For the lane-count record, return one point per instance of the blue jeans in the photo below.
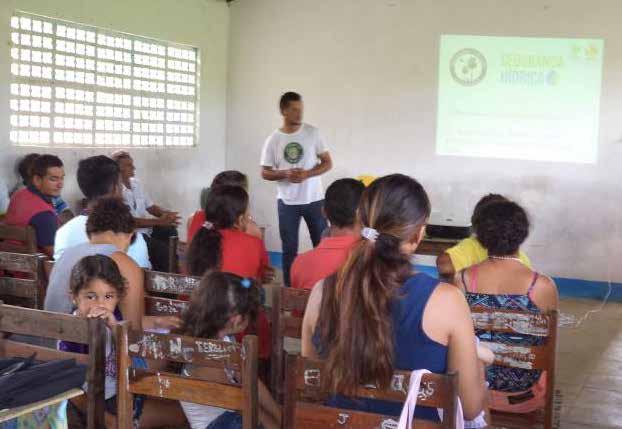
(289, 224)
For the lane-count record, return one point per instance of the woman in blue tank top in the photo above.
(376, 315)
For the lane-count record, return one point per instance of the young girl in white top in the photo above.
(221, 307)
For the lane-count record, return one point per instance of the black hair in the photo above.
(502, 228)
(287, 98)
(224, 205)
(96, 267)
(41, 163)
(24, 167)
(97, 176)
(218, 297)
(230, 177)
(483, 202)
(227, 177)
(342, 200)
(110, 214)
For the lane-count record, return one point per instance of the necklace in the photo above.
(506, 258)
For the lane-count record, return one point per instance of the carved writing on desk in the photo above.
(170, 283)
(18, 262)
(522, 323)
(511, 355)
(312, 378)
(170, 307)
(185, 349)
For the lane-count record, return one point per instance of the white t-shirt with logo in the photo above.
(301, 149)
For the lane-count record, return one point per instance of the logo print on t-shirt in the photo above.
(293, 152)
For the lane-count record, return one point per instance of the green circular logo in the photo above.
(293, 152)
(468, 67)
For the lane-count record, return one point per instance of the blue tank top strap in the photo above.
(533, 283)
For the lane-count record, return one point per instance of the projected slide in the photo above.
(519, 98)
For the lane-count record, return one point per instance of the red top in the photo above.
(321, 262)
(24, 205)
(243, 254)
(198, 218)
(246, 256)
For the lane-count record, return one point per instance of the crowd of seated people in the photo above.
(360, 276)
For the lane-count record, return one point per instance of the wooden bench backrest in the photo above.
(305, 397)
(65, 327)
(540, 357)
(17, 239)
(288, 306)
(171, 285)
(216, 390)
(22, 279)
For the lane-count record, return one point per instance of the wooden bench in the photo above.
(45, 324)
(305, 397)
(17, 239)
(527, 357)
(215, 390)
(22, 279)
(288, 306)
(162, 291)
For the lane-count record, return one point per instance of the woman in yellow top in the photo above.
(470, 251)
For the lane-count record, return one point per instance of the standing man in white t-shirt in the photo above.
(295, 156)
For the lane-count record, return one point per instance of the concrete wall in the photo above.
(368, 71)
(174, 177)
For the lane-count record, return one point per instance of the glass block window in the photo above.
(78, 85)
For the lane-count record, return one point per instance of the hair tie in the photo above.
(246, 283)
(208, 225)
(370, 234)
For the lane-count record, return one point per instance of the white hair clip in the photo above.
(208, 225)
(370, 234)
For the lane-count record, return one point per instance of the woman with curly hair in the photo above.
(110, 229)
(503, 281)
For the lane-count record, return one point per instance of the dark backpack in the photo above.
(26, 380)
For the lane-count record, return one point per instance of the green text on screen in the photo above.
(519, 98)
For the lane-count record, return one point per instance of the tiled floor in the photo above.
(589, 366)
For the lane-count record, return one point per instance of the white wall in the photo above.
(368, 72)
(174, 177)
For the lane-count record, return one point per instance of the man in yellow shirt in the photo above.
(470, 251)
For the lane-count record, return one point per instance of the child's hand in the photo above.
(104, 314)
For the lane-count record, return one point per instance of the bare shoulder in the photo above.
(545, 294)
(315, 298)
(446, 299)
(124, 261)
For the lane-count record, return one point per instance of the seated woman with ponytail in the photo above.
(222, 245)
(377, 315)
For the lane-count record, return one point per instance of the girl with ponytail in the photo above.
(377, 315)
(221, 243)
